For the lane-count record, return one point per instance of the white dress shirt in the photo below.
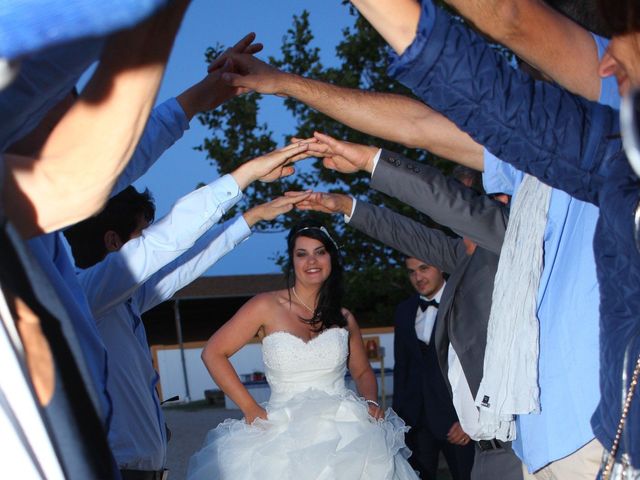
(463, 401)
(427, 319)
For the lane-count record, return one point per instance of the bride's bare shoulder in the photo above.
(269, 300)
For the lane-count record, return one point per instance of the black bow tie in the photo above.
(424, 304)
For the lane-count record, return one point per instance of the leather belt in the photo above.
(492, 444)
(143, 474)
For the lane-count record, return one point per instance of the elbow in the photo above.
(507, 23)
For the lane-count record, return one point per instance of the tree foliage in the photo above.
(375, 283)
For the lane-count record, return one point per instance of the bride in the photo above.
(312, 427)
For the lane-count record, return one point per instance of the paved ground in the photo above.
(189, 426)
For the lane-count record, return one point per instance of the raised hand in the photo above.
(244, 46)
(212, 91)
(345, 157)
(270, 210)
(250, 73)
(272, 166)
(326, 202)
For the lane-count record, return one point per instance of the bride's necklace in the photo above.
(293, 289)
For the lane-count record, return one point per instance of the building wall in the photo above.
(248, 359)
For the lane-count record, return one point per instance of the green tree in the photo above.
(374, 283)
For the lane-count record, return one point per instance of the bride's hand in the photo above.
(376, 412)
(256, 412)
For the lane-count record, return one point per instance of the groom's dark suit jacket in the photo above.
(420, 395)
(466, 301)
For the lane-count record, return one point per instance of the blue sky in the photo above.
(225, 21)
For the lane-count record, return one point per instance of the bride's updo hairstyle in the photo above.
(328, 312)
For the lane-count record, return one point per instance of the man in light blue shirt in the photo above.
(146, 266)
(568, 310)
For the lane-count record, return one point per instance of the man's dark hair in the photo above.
(621, 16)
(122, 214)
(585, 13)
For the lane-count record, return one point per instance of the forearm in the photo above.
(227, 380)
(408, 236)
(445, 200)
(392, 117)
(367, 385)
(80, 163)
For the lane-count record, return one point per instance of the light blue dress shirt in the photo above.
(568, 311)
(165, 126)
(145, 272)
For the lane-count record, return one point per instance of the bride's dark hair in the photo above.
(328, 312)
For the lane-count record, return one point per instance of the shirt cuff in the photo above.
(239, 230)
(347, 218)
(376, 159)
(225, 192)
(173, 108)
(411, 57)
(498, 176)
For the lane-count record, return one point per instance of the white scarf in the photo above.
(510, 383)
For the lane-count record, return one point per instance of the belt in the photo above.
(492, 444)
(144, 474)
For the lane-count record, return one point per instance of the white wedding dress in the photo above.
(316, 428)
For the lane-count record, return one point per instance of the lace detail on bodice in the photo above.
(294, 366)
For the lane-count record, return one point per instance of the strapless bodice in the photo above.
(293, 366)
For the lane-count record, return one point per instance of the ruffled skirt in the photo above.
(313, 436)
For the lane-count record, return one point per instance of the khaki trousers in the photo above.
(583, 464)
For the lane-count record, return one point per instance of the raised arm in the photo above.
(207, 250)
(169, 120)
(389, 116)
(76, 169)
(395, 230)
(117, 276)
(425, 188)
(535, 126)
(541, 36)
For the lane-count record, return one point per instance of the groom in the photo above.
(420, 394)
